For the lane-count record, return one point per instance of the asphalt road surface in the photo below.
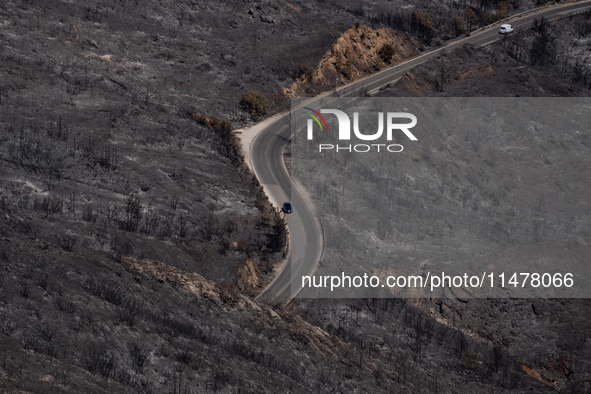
(306, 236)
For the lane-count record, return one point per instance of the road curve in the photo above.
(266, 159)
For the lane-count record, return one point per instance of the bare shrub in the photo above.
(42, 280)
(47, 331)
(229, 227)
(42, 340)
(98, 360)
(24, 289)
(230, 144)
(266, 298)
(88, 214)
(26, 227)
(139, 355)
(59, 130)
(209, 229)
(65, 305)
(8, 325)
(279, 237)
(107, 158)
(133, 213)
(48, 205)
(66, 241)
(107, 291)
(185, 356)
(182, 228)
(12, 365)
(462, 344)
(174, 201)
(224, 246)
(219, 379)
(544, 47)
(62, 376)
(583, 25)
(128, 311)
(120, 247)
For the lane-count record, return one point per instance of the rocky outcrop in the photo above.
(360, 51)
(554, 374)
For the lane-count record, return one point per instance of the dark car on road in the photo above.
(286, 207)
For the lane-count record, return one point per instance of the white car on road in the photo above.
(505, 29)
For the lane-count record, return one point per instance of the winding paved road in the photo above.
(265, 151)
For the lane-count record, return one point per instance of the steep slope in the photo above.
(360, 51)
(74, 323)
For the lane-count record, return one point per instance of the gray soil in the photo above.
(104, 171)
(546, 337)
